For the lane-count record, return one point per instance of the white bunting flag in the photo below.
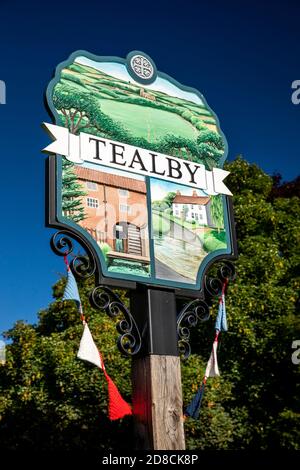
(88, 351)
(212, 369)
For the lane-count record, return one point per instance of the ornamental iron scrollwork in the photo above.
(61, 244)
(227, 271)
(101, 297)
(83, 266)
(129, 341)
(192, 313)
(198, 310)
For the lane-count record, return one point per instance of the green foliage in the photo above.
(210, 147)
(214, 241)
(262, 409)
(50, 400)
(215, 429)
(216, 210)
(160, 224)
(72, 193)
(169, 198)
(105, 248)
(164, 205)
(79, 110)
(262, 314)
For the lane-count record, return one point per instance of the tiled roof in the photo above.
(201, 200)
(109, 179)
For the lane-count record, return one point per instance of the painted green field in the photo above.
(159, 223)
(150, 123)
(136, 115)
(121, 101)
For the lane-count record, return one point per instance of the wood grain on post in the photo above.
(157, 403)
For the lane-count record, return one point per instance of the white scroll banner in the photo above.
(98, 150)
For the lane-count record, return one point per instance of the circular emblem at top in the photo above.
(141, 67)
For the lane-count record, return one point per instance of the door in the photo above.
(134, 240)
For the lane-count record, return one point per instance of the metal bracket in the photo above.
(198, 310)
(129, 341)
(101, 297)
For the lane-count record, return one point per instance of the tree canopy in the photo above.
(51, 400)
(79, 109)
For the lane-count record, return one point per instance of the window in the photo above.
(192, 206)
(91, 185)
(125, 208)
(201, 216)
(123, 192)
(92, 202)
(196, 216)
(193, 215)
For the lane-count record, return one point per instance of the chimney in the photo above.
(195, 193)
(178, 193)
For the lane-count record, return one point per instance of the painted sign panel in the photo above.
(139, 169)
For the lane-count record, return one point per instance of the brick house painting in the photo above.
(116, 214)
(192, 208)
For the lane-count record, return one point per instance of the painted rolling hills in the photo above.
(165, 123)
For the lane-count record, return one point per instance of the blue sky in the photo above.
(242, 56)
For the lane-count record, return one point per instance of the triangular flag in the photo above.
(117, 406)
(88, 351)
(193, 409)
(212, 369)
(71, 289)
(224, 316)
(221, 320)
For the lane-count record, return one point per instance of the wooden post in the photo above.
(156, 374)
(157, 403)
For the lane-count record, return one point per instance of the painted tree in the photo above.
(179, 146)
(79, 110)
(207, 149)
(72, 193)
(210, 147)
(169, 198)
(216, 211)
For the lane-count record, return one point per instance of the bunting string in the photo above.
(88, 351)
(212, 368)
